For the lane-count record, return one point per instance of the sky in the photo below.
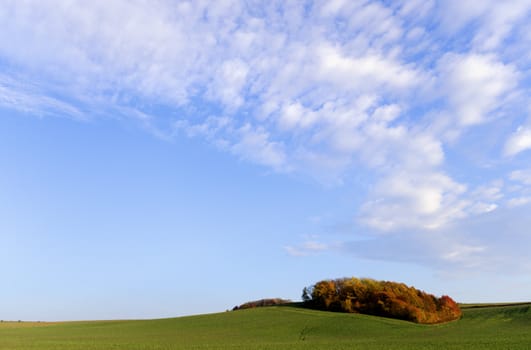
(164, 158)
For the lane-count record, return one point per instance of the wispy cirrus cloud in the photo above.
(26, 97)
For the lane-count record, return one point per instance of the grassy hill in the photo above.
(280, 327)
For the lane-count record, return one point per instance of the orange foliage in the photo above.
(381, 298)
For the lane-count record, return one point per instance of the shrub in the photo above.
(261, 303)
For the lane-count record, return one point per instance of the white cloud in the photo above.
(310, 247)
(296, 116)
(256, 145)
(414, 200)
(485, 198)
(418, 150)
(496, 19)
(429, 200)
(520, 191)
(518, 202)
(461, 254)
(247, 142)
(360, 72)
(368, 20)
(518, 142)
(490, 192)
(523, 176)
(482, 208)
(228, 83)
(475, 85)
(416, 8)
(364, 129)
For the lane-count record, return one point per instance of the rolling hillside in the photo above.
(281, 327)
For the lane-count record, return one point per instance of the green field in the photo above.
(281, 327)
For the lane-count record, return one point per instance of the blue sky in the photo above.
(164, 158)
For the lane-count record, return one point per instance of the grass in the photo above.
(282, 327)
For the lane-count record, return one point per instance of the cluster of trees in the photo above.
(262, 302)
(380, 298)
